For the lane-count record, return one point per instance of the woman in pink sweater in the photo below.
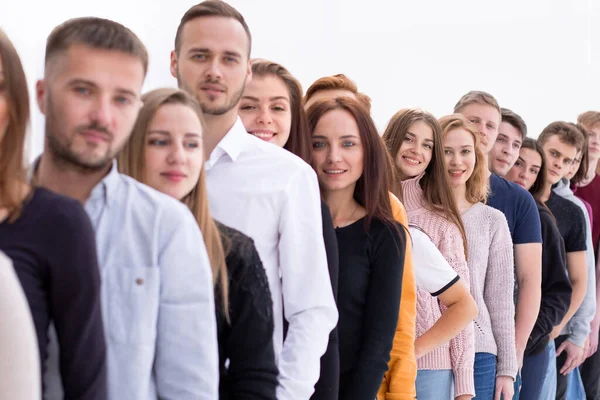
(413, 138)
(490, 260)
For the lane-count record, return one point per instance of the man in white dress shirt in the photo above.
(260, 189)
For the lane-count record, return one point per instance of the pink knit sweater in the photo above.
(492, 285)
(458, 354)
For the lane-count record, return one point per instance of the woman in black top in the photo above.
(52, 245)
(529, 172)
(271, 109)
(165, 152)
(354, 173)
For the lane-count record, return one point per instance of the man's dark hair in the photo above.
(97, 33)
(211, 8)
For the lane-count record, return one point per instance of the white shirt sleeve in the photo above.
(307, 295)
(19, 356)
(432, 271)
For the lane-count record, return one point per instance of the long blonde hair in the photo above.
(477, 185)
(131, 162)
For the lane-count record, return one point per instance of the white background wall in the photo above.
(540, 58)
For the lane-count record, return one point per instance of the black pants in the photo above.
(561, 380)
(590, 375)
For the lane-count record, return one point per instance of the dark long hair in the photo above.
(437, 192)
(537, 189)
(12, 167)
(299, 139)
(373, 188)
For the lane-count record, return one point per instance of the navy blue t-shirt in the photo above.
(519, 207)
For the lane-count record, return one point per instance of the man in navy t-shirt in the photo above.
(521, 213)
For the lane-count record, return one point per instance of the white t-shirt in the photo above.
(432, 271)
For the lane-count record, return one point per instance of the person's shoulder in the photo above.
(56, 208)
(387, 231)
(270, 151)
(509, 188)
(493, 215)
(148, 202)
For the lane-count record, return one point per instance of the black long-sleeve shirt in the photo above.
(247, 341)
(53, 249)
(327, 387)
(370, 284)
(556, 287)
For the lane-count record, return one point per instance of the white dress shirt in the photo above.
(273, 196)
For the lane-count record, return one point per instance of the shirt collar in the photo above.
(232, 144)
(107, 188)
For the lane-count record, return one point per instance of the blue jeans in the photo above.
(485, 376)
(534, 372)
(575, 389)
(549, 386)
(435, 384)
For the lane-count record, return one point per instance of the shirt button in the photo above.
(139, 281)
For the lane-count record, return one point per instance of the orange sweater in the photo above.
(399, 381)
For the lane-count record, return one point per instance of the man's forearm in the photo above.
(526, 312)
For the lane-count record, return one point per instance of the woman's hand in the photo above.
(505, 387)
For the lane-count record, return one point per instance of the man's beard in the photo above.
(61, 149)
(211, 110)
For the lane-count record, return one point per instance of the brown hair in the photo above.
(537, 189)
(581, 173)
(211, 8)
(338, 82)
(437, 193)
(589, 119)
(131, 162)
(514, 119)
(299, 139)
(477, 185)
(478, 97)
(374, 185)
(567, 133)
(97, 33)
(13, 174)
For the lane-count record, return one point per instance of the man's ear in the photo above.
(249, 76)
(40, 95)
(174, 64)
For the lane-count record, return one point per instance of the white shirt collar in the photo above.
(233, 144)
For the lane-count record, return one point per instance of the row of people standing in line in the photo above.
(151, 156)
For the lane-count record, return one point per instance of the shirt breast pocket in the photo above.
(132, 306)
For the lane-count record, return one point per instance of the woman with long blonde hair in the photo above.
(490, 260)
(165, 151)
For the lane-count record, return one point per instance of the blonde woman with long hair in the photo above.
(490, 260)
(165, 151)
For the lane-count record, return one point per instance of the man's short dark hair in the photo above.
(211, 8)
(97, 33)
(514, 119)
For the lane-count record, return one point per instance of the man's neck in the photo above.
(547, 192)
(64, 179)
(216, 127)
